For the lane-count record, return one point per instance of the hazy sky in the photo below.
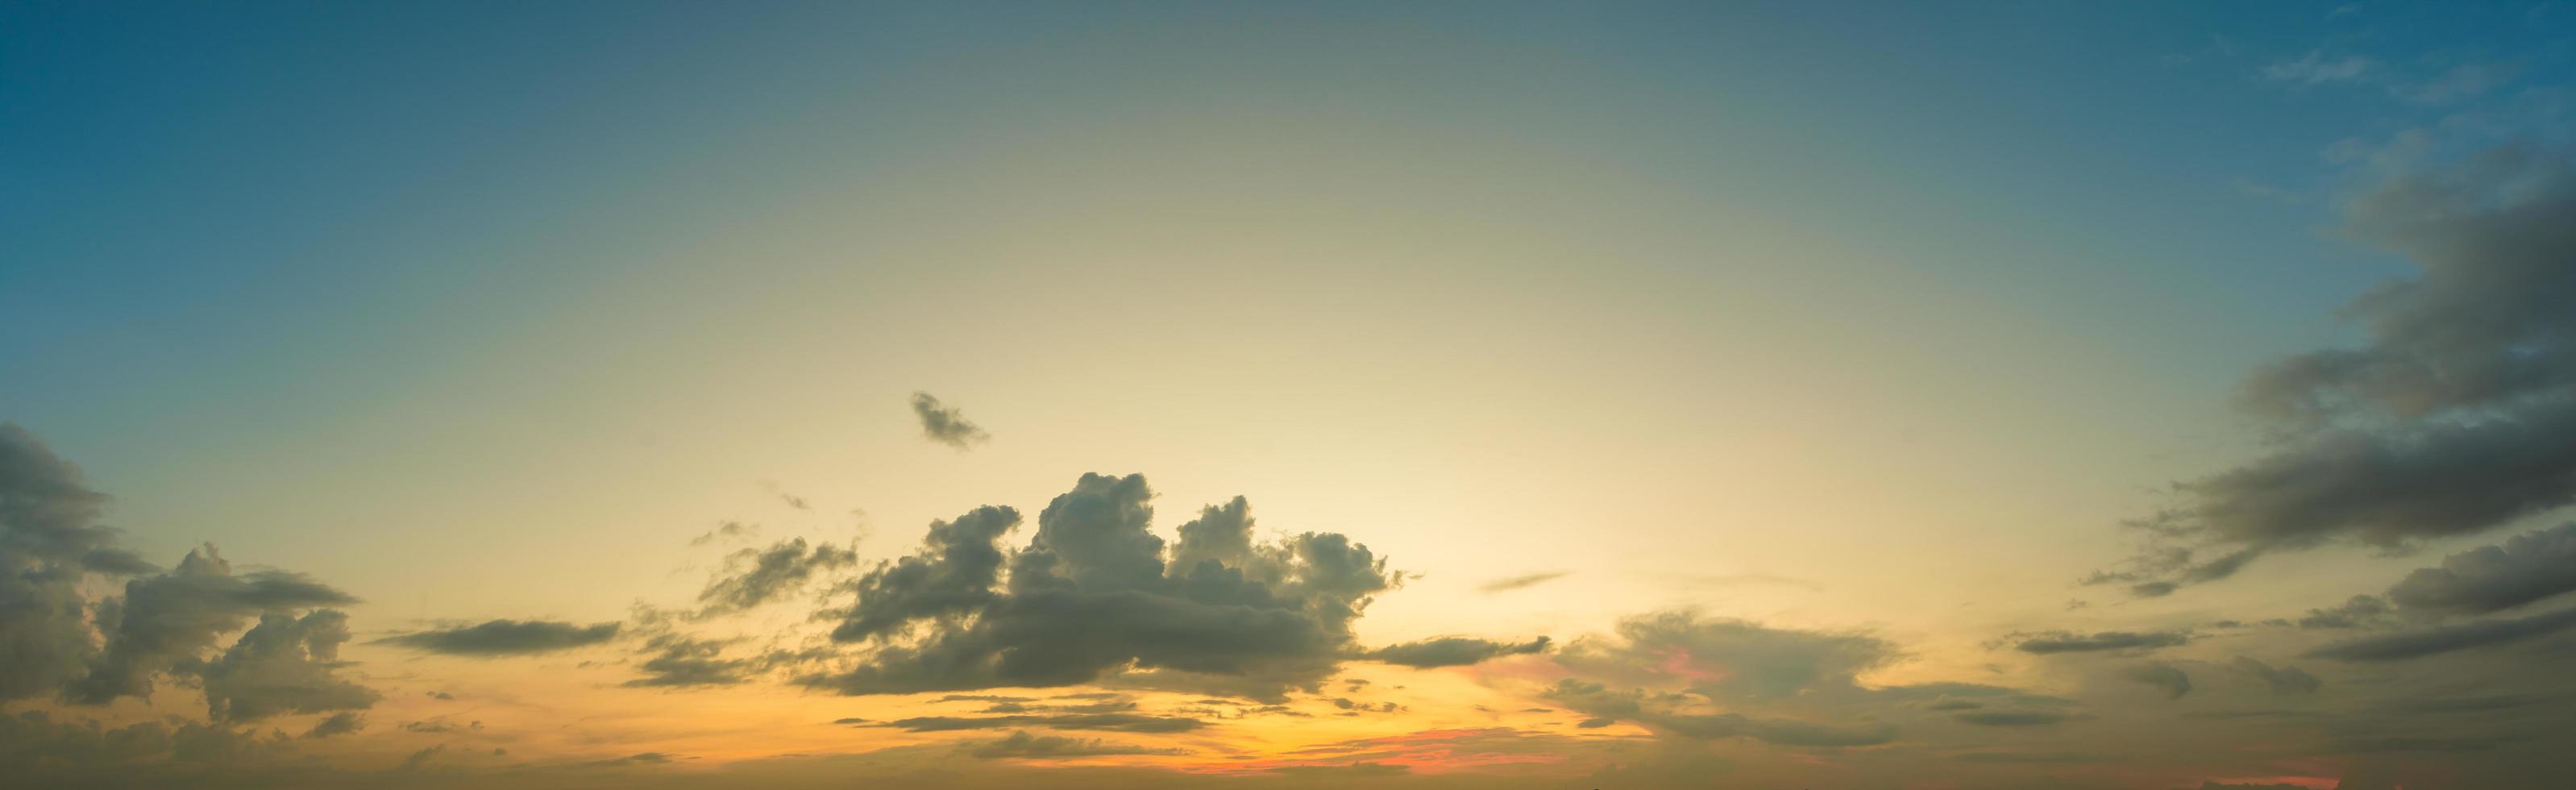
(1795, 395)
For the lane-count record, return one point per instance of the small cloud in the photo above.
(2315, 68)
(945, 424)
(1522, 581)
(506, 638)
(2067, 642)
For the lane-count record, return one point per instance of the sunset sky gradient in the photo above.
(1247, 395)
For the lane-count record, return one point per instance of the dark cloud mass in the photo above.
(2451, 419)
(2067, 642)
(945, 424)
(164, 620)
(2436, 640)
(506, 637)
(1452, 651)
(285, 664)
(1091, 599)
(2524, 569)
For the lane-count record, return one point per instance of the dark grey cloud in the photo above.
(2436, 640)
(342, 723)
(506, 638)
(2283, 679)
(1091, 599)
(679, 661)
(55, 641)
(2524, 569)
(164, 620)
(1023, 746)
(285, 664)
(1450, 651)
(945, 424)
(1118, 722)
(752, 577)
(1669, 714)
(2013, 718)
(2069, 642)
(2450, 419)
(1510, 583)
(2359, 611)
(1695, 678)
(2167, 678)
(1747, 661)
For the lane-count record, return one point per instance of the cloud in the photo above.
(1452, 651)
(1731, 659)
(729, 529)
(2067, 642)
(1091, 599)
(2463, 81)
(506, 638)
(2526, 568)
(2449, 638)
(945, 424)
(1120, 722)
(283, 665)
(2013, 718)
(2359, 611)
(165, 619)
(2283, 680)
(342, 723)
(2315, 68)
(2165, 677)
(1670, 714)
(49, 539)
(1696, 678)
(1021, 745)
(1510, 583)
(754, 576)
(2448, 420)
(680, 661)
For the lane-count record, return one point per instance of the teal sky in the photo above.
(1863, 321)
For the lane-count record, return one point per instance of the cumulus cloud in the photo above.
(285, 664)
(1452, 651)
(48, 540)
(2447, 421)
(680, 661)
(166, 619)
(1093, 599)
(2068, 642)
(945, 424)
(506, 638)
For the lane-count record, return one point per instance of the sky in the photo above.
(1277, 395)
